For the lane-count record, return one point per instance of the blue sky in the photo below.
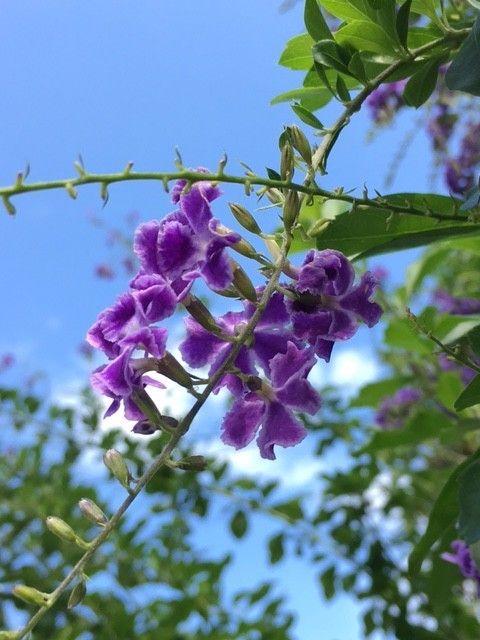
(121, 80)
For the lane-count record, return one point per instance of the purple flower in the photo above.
(394, 411)
(461, 556)
(385, 101)
(187, 244)
(456, 306)
(267, 409)
(329, 306)
(126, 323)
(121, 380)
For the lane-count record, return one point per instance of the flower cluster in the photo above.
(385, 101)
(395, 410)
(301, 321)
(460, 170)
(462, 557)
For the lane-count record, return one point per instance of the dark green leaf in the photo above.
(470, 396)
(464, 72)
(342, 90)
(371, 394)
(443, 515)
(331, 54)
(315, 22)
(422, 84)
(367, 232)
(327, 580)
(239, 524)
(469, 503)
(275, 548)
(402, 21)
(357, 68)
(272, 174)
(307, 116)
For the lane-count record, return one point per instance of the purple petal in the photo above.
(288, 374)
(275, 313)
(325, 273)
(200, 347)
(145, 245)
(176, 249)
(157, 302)
(241, 421)
(116, 378)
(358, 300)
(196, 208)
(267, 344)
(153, 340)
(279, 428)
(217, 271)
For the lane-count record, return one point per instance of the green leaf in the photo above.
(311, 97)
(298, 53)
(443, 515)
(349, 9)
(470, 396)
(275, 548)
(331, 55)
(315, 22)
(239, 524)
(426, 8)
(422, 84)
(419, 270)
(307, 116)
(371, 394)
(357, 68)
(365, 36)
(402, 21)
(342, 90)
(464, 72)
(469, 503)
(424, 426)
(327, 580)
(368, 231)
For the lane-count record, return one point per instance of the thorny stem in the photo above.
(248, 180)
(308, 188)
(459, 357)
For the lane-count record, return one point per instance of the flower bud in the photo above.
(274, 195)
(273, 247)
(192, 463)
(31, 595)
(245, 218)
(244, 248)
(301, 144)
(287, 163)
(291, 209)
(201, 314)
(243, 283)
(77, 594)
(171, 368)
(92, 512)
(61, 529)
(116, 464)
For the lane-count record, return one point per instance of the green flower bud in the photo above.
(291, 209)
(274, 195)
(273, 247)
(287, 163)
(301, 144)
(202, 315)
(64, 531)
(116, 464)
(31, 595)
(77, 594)
(243, 283)
(245, 218)
(92, 512)
(192, 463)
(171, 368)
(244, 248)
